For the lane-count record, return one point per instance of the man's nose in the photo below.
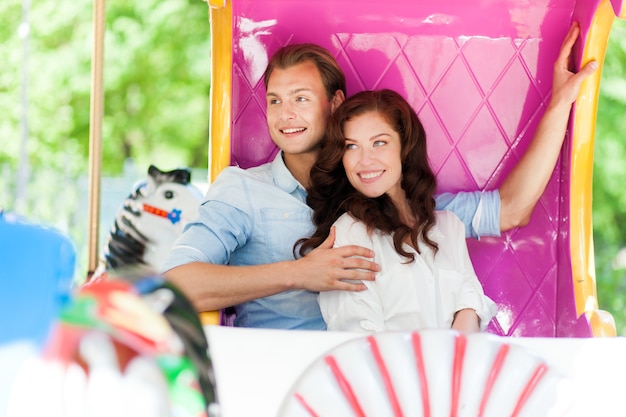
(287, 111)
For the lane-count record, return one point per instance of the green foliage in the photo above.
(156, 104)
(156, 83)
(609, 196)
(156, 77)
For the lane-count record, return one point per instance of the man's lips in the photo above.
(292, 130)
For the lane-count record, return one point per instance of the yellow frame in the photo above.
(220, 16)
(581, 227)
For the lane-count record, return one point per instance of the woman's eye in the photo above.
(350, 146)
(379, 143)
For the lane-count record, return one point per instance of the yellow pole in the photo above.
(221, 16)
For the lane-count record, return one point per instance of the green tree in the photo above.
(157, 80)
(156, 83)
(609, 196)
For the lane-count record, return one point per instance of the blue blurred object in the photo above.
(36, 271)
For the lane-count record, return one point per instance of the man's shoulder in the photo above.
(237, 174)
(233, 183)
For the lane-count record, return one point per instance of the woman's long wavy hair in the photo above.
(331, 194)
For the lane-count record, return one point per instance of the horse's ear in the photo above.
(178, 175)
(154, 172)
(181, 175)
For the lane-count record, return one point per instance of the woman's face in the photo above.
(372, 157)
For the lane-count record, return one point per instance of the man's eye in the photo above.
(274, 101)
(301, 99)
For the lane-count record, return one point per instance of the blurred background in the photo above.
(156, 111)
(156, 105)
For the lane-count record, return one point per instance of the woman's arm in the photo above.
(473, 310)
(466, 320)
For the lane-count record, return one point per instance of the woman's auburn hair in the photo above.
(330, 193)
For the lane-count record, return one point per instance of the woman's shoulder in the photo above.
(347, 222)
(447, 220)
(349, 230)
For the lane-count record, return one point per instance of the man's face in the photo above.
(298, 108)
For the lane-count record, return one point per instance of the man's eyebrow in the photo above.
(299, 90)
(290, 93)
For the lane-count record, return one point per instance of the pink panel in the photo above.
(479, 74)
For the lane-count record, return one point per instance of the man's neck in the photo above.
(300, 166)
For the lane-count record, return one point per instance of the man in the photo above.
(239, 252)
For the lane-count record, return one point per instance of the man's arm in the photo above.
(525, 184)
(213, 287)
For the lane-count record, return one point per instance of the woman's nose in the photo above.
(366, 155)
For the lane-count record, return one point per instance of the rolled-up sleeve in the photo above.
(472, 296)
(222, 226)
(471, 293)
(479, 211)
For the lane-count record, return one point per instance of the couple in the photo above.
(240, 251)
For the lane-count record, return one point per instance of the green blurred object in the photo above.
(609, 176)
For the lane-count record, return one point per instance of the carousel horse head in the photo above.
(151, 219)
(129, 345)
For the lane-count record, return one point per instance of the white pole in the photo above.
(24, 165)
(95, 133)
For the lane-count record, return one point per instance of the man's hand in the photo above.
(566, 84)
(326, 268)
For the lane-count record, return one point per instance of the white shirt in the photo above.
(422, 294)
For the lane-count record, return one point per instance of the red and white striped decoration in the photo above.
(434, 373)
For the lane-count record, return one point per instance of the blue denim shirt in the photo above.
(254, 216)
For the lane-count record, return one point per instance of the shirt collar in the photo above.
(283, 177)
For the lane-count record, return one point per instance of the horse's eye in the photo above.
(169, 194)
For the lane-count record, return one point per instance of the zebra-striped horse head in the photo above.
(151, 218)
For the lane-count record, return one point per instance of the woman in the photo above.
(373, 185)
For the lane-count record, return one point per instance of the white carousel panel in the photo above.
(257, 369)
(369, 374)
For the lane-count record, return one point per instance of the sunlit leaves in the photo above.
(609, 182)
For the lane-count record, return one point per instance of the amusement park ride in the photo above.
(478, 73)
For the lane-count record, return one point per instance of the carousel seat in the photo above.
(479, 75)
